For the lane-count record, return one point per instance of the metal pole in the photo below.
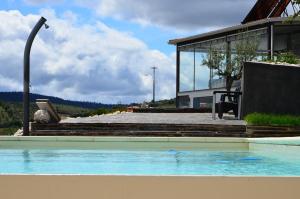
(26, 83)
(214, 107)
(177, 75)
(194, 86)
(272, 41)
(154, 68)
(240, 108)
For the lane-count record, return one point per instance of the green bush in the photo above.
(8, 131)
(9, 116)
(261, 119)
(288, 57)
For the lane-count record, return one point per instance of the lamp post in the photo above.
(26, 83)
(154, 69)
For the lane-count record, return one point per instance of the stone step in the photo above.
(137, 129)
(137, 133)
(272, 131)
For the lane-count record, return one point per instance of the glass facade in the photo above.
(202, 72)
(194, 75)
(187, 70)
(287, 38)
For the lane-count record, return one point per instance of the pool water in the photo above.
(145, 162)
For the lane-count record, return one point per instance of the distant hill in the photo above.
(18, 97)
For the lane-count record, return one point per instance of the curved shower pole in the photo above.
(26, 82)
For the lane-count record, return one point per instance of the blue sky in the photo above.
(102, 50)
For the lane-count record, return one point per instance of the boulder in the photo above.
(42, 117)
(19, 133)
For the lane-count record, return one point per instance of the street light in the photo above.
(26, 82)
(154, 69)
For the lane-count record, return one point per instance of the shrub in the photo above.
(272, 120)
(288, 57)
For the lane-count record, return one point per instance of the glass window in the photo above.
(186, 70)
(202, 72)
(287, 38)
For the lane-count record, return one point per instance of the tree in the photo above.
(230, 65)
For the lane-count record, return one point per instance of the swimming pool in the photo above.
(135, 168)
(143, 157)
(143, 162)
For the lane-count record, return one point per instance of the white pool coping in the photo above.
(282, 141)
(287, 144)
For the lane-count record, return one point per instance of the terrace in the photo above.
(195, 82)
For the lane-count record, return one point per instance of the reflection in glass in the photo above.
(201, 71)
(186, 70)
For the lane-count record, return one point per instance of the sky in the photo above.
(103, 50)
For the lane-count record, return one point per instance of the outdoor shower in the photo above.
(26, 84)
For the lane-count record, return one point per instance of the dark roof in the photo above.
(226, 31)
(266, 9)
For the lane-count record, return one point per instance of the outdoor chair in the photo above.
(223, 106)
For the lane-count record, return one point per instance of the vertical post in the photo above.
(210, 78)
(214, 107)
(271, 41)
(194, 86)
(228, 52)
(240, 107)
(210, 71)
(154, 68)
(26, 83)
(177, 75)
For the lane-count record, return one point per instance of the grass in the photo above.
(8, 131)
(262, 119)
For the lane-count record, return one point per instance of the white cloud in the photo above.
(86, 62)
(176, 14)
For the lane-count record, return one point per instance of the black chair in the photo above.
(232, 104)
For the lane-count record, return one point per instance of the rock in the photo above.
(19, 133)
(42, 117)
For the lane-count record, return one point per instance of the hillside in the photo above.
(11, 113)
(11, 109)
(18, 97)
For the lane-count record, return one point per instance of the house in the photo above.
(267, 21)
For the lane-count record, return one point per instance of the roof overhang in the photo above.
(227, 31)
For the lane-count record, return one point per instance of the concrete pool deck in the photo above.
(155, 118)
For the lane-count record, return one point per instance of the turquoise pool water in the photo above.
(144, 162)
